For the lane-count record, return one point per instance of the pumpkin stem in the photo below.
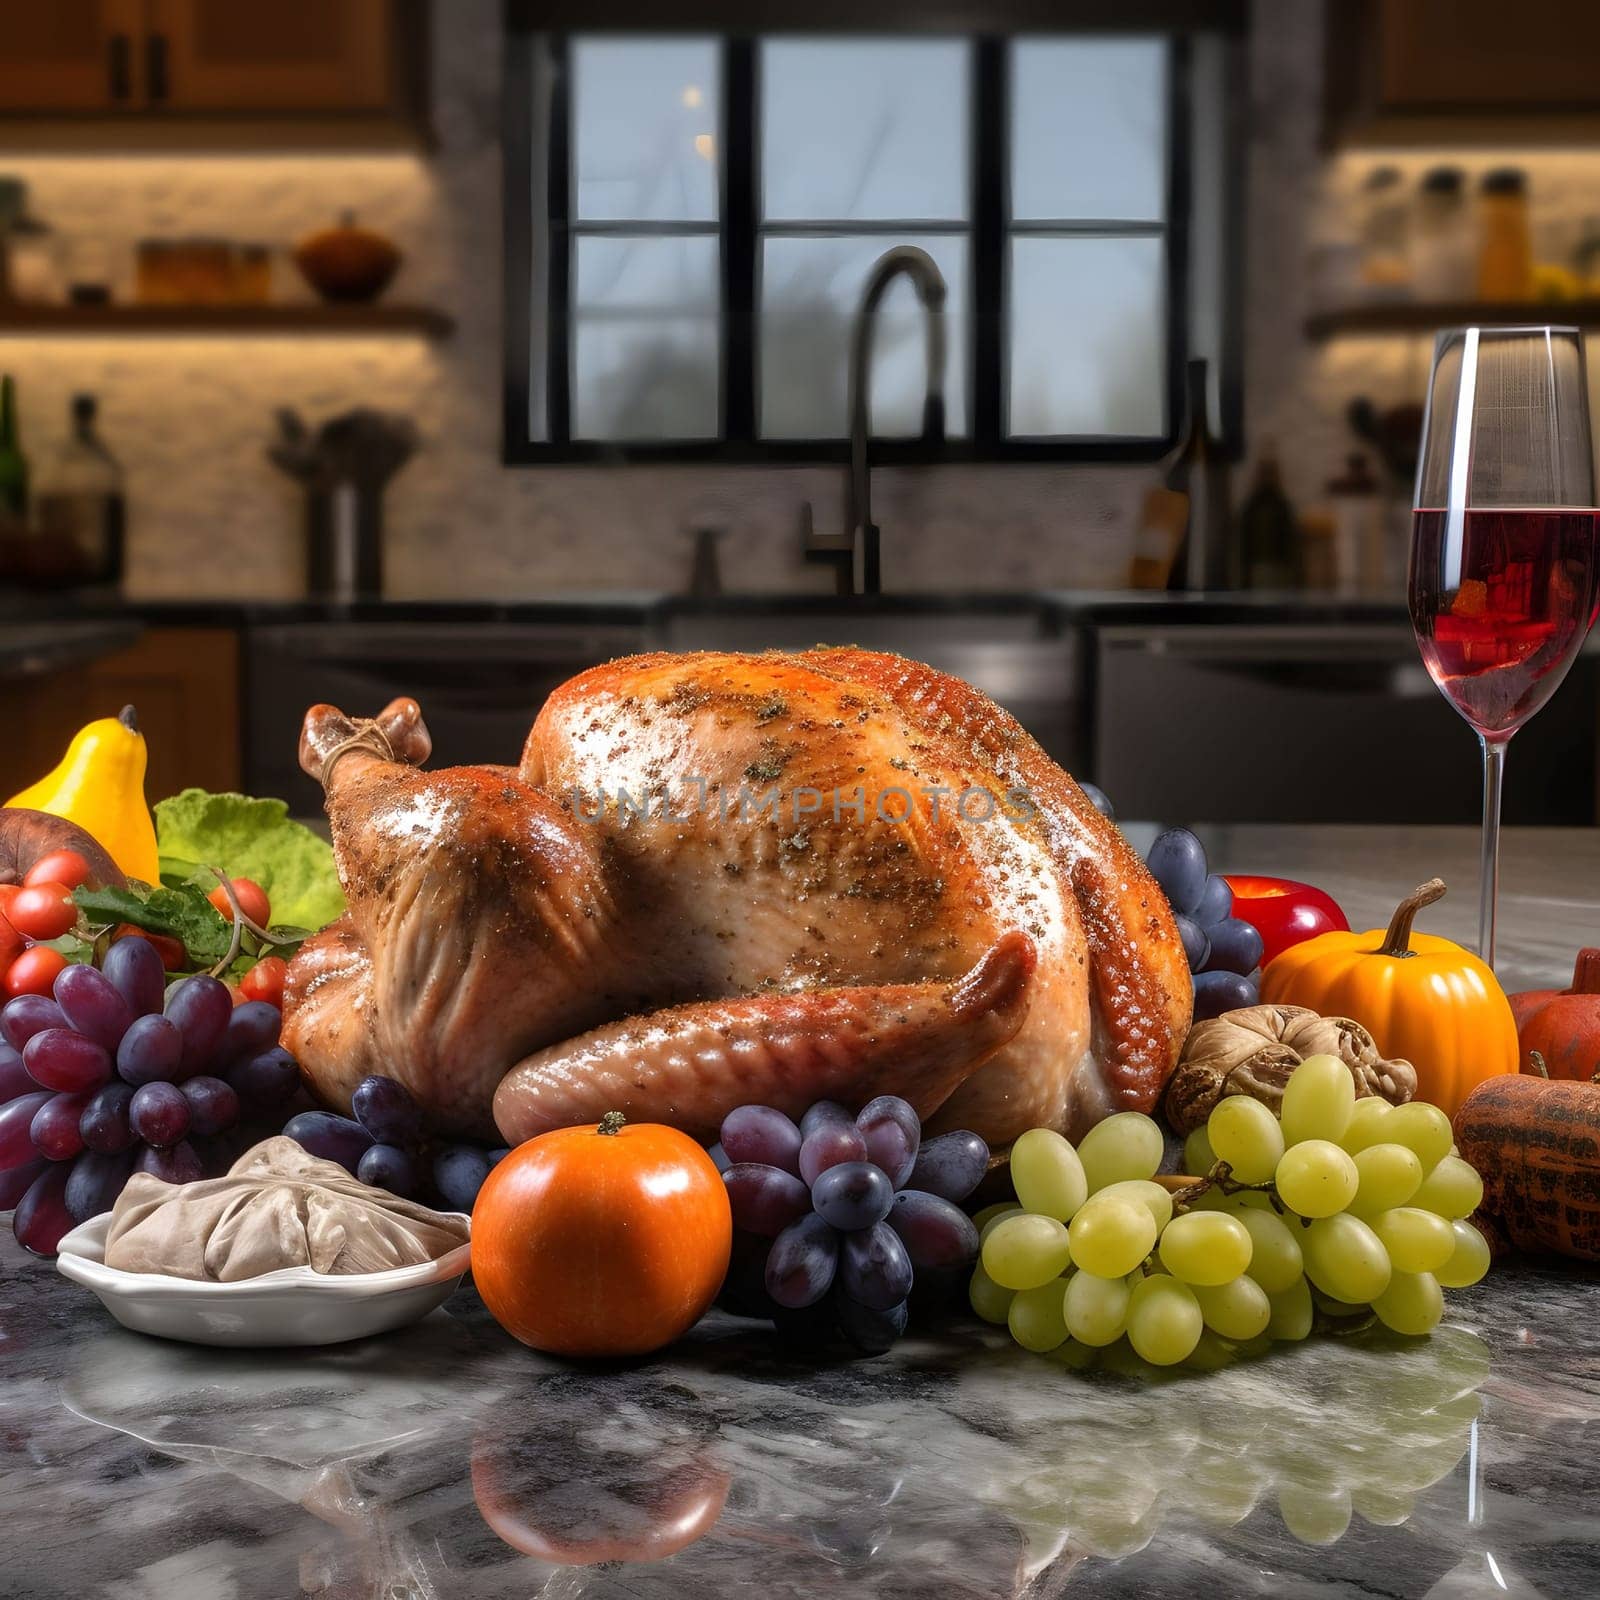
(612, 1123)
(1586, 973)
(1536, 1066)
(1397, 941)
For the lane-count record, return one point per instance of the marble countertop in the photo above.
(446, 1461)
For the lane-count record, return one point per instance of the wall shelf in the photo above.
(1423, 317)
(23, 321)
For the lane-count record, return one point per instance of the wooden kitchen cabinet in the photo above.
(184, 684)
(289, 56)
(1429, 70)
(198, 74)
(69, 55)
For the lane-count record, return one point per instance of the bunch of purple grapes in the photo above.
(383, 1144)
(1223, 950)
(114, 1073)
(835, 1217)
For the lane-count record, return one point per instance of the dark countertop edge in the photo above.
(35, 647)
(634, 608)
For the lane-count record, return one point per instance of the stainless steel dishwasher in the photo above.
(480, 685)
(1203, 722)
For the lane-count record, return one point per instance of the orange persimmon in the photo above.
(601, 1241)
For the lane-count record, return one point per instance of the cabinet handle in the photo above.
(117, 64)
(155, 66)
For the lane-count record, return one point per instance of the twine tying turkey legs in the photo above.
(368, 736)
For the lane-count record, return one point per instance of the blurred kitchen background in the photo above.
(363, 347)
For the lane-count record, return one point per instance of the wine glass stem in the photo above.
(1494, 765)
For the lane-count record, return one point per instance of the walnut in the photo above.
(1252, 1051)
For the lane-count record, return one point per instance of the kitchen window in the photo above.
(690, 220)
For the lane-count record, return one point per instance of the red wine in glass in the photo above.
(1503, 584)
(1500, 621)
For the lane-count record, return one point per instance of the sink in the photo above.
(1015, 650)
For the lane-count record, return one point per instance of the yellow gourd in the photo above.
(1422, 998)
(99, 784)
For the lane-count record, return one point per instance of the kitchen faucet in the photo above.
(854, 553)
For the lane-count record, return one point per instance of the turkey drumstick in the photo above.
(691, 1065)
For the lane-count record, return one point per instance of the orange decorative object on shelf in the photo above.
(602, 1241)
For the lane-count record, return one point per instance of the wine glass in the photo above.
(1503, 548)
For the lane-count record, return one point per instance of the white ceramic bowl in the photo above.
(294, 1306)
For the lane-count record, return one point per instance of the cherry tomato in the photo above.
(11, 943)
(34, 971)
(8, 893)
(264, 981)
(252, 901)
(173, 956)
(43, 911)
(60, 866)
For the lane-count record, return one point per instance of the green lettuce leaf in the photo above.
(249, 838)
(182, 913)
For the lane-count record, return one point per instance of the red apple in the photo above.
(1283, 912)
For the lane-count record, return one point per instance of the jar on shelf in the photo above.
(1505, 236)
(32, 264)
(252, 274)
(1586, 258)
(1385, 235)
(1443, 261)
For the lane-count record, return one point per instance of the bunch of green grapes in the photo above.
(1335, 1204)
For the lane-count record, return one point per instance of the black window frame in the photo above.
(989, 229)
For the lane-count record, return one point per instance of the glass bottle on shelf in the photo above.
(1199, 472)
(1505, 237)
(1359, 564)
(1385, 235)
(80, 503)
(1269, 543)
(13, 464)
(1443, 259)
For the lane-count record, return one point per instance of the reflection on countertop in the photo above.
(446, 1461)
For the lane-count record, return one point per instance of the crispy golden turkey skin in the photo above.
(719, 879)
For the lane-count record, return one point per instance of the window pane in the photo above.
(873, 130)
(1087, 337)
(644, 361)
(645, 119)
(1089, 128)
(810, 289)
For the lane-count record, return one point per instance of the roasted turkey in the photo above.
(720, 879)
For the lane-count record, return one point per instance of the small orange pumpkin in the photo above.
(1422, 998)
(1563, 1025)
(601, 1241)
